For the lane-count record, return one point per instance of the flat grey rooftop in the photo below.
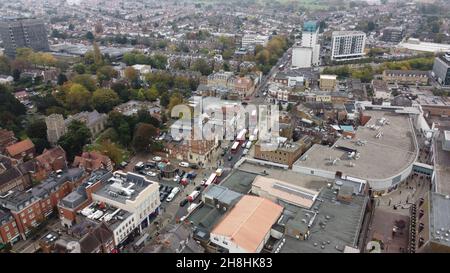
(337, 225)
(205, 217)
(137, 183)
(442, 169)
(239, 181)
(307, 181)
(440, 218)
(380, 158)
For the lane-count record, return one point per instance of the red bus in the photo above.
(241, 136)
(212, 179)
(235, 147)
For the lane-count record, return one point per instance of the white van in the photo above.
(248, 145)
(172, 194)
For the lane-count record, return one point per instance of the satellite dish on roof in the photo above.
(339, 183)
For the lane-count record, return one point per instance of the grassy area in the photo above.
(107, 145)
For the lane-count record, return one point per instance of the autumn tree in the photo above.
(131, 74)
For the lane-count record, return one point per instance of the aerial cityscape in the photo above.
(239, 126)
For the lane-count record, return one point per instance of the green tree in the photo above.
(62, 79)
(144, 136)
(79, 68)
(5, 66)
(74, 140)
(16, 75)
(164, 99)
(98, 58)
(122, 90)
(106, 73)
(90, 36)
(10, 110)
(78, 97)
(158, 61)
(86, 80)
(36, 130)
(202, 66)
(124, 133)
(104, 100)
(151, 94)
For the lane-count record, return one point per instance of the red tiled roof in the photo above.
(20, 147)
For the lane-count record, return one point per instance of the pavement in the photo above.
(392, 210)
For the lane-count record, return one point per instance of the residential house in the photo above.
(21, 150)
(92, 161)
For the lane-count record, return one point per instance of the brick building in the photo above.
(7, 138)
(92, 161)
(285, 153)
(21, 150)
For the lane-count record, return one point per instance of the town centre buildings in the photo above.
(382, 153)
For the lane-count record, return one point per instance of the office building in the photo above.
(254, 39)
(347, 45)
(392, 34)
(441, 69)
(17, 33)
(307, 54)
(328, 82)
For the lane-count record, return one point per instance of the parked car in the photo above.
(151, 164)
(123, 164)
(184, 164)
(183, 202)
(191, 197)
(230, 158)
(172, 194)
(203, 182)
(163, 196)
(157, 158)
(191, 175)
(193, 166)
(152, 174)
